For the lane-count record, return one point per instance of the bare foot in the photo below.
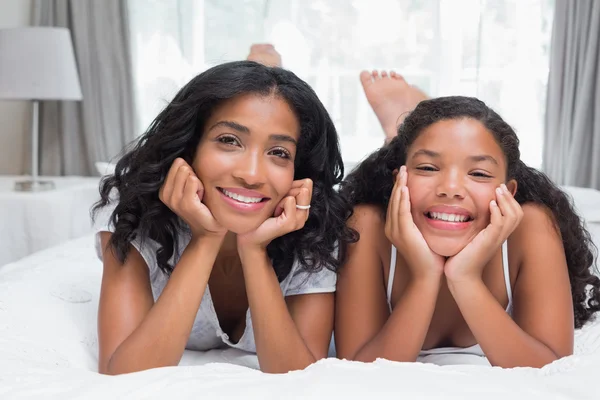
(391, 98)
(265, 54)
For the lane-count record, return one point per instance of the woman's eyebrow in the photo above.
(276, 137)
(232, 125)
(279, 137)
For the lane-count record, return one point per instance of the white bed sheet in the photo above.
(48, 349)
(48, 305)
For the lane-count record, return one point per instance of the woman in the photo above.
(221, 227)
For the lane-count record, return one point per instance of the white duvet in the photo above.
(48, 349)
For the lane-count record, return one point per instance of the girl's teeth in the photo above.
(449, 217)
(243, 199)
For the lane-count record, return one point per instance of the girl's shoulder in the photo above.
(537, 225)
(536, 218)
(367, 217)
(369, 221)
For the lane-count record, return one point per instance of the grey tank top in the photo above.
(206, 332)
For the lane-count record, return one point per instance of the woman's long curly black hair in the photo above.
(372, 182)
(176, 132)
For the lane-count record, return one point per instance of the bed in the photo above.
(48, 349)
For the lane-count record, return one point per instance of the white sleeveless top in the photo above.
(472, 350)
(206, 332)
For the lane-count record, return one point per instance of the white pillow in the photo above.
(105, 168)
(587, 202)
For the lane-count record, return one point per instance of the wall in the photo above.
(14, 115)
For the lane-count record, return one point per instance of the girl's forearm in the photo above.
(503, 342)
(402, 336)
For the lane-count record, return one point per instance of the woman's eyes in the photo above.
(226, 139)
(279, 152)
(427, 168)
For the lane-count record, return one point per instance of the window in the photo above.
(496, 50)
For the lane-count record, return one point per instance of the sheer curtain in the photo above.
(496, 50)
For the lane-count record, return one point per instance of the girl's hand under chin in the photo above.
(182, 192)
(468, 264)
(287, 218)
(401, 230)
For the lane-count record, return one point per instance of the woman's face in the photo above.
(454, 167)
(245, 160)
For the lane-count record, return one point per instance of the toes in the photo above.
(375, 74)
(384, 74)
(365, 78)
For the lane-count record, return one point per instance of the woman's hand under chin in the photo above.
(468, 264)
(286, 218)
(182, 192)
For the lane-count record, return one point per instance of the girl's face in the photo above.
(245, 160)
(454, 167)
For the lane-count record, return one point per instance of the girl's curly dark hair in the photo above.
(176, 132)
(372, 182)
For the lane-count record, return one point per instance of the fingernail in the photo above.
(499, 191)
(504, 187)
(493, 202)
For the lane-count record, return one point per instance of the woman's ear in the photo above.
(512, 186)
(394, 173)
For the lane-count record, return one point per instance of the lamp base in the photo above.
(34, 186)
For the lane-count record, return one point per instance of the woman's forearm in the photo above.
(279, 345)
(161, 337)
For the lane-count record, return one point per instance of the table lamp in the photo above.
(36, 64)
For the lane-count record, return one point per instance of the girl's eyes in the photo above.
(477, 174)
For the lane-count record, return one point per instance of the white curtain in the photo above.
(496, 50)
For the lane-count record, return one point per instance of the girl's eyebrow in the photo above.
(424, 152)
(476, 158)
(483, 157)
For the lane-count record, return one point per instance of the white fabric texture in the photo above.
(206, 332)
(31, 222)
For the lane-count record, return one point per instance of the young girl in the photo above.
(463, 248)
(221, 227)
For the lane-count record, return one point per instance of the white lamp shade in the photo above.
(38, 63)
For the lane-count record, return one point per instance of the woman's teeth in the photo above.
(448, 217)
(243, 199)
